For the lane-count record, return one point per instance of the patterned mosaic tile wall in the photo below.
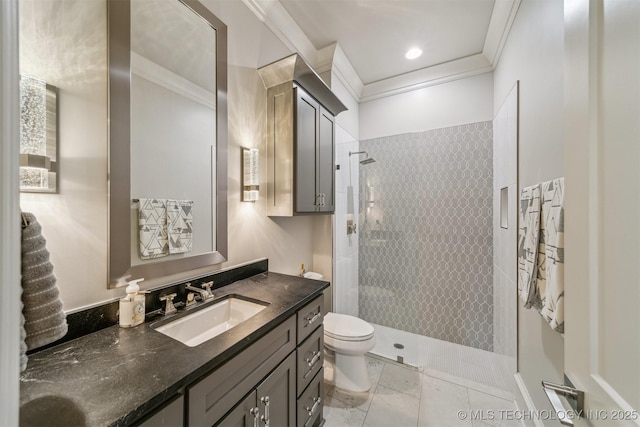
(425, 239)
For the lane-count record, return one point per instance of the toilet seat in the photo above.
(347, 328)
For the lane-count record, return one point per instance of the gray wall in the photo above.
(426, 241)
(534, 55)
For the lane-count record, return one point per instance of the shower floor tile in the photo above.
(472, 364)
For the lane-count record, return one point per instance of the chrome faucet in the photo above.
(205, 294)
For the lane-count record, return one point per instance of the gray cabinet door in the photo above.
(242, 415)
(307, 114)
(171, 415)
(217, 393)
(326, 161)
(278, 393)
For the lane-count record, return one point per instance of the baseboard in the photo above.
(525, 403)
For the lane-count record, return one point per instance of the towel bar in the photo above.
(553, 390)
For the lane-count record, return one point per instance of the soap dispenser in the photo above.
(132, 306)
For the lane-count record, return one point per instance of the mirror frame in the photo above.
(119, 166)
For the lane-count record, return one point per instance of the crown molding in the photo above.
(502, 17)
(332, 59)
(276, 17)
(425, 77)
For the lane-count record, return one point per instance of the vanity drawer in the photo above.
(213, 396)
(310, 358)
(310, 317)
(311, 402)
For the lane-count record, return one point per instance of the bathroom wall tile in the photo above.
(347, 287)
(511, 140)
(340, 159)
(499, 151)
(511, 261)
(498, 236)
(340, 219)
(441, 402)
(426, 243)
(339, 285)
(390, 408)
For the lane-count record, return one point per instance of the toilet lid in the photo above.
(347, 328)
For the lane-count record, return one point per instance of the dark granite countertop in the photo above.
(116, 375)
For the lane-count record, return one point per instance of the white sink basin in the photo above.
(209, 322)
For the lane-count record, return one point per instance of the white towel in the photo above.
(152, 228)
(180, 225)
(528, 243)
(551, 271)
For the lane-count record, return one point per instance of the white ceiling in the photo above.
(363, 42)
(375, 34)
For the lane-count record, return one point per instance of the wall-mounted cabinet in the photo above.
(301, 114)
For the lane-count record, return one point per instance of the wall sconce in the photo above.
(38, 135)
(250, 175)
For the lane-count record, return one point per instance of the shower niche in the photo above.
(301, 112)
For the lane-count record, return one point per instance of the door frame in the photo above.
(10, 290)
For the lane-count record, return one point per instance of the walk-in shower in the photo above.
(420, 267)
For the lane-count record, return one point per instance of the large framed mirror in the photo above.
(167, 138)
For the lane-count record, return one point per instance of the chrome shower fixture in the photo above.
(367, 160)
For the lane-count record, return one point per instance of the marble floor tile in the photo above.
(464, 382)
(374, 366)
(402, 396)
(339, 414)
(443, 404)
(360, 401)
(390, 408)
(490, 410)
(401, 378)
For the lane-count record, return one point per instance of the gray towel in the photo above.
(23, 345)
(45, 321)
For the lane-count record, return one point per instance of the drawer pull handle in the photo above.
(316, 356)
(255, 412)
(265, 417)
(316, 404)
(312, 319)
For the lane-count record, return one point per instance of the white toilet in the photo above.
(346, 340)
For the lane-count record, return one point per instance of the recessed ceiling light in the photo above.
(413, 53)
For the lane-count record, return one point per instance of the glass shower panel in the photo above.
(425, 242)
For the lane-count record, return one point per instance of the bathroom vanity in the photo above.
(266, 370)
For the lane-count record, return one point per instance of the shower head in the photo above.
(367, 160)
